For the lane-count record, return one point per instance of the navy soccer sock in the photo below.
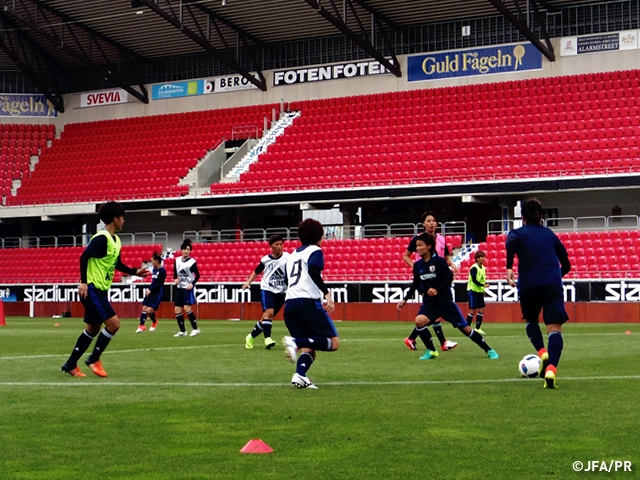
(470, 319)
(82, 344)
(180, 320)
(267, 325)
(304, 363)
(143, 317)
(478, 340)
(479, 319)
(556, 344)
(535, 336)
(152, 316)
(315, 343)
(425, 336)
(414, 334)
(101, 344)
(257, 330)
(437, 328)
(192, 319)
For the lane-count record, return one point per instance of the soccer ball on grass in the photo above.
(529, 366)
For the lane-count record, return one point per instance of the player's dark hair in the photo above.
(427, 239)
(157, 257)
(310, 231)
(480, 254)
(275, 238)
(186, 244)
(429, 213)
(109, 211)
(532, 211)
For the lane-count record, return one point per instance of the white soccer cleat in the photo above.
(299, 381)
(194, 332)
(290, 349)
(449, 345)
(181, 334)
(141, 329)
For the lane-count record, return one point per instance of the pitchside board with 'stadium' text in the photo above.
(611, 290)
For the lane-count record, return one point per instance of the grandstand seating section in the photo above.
(613, 253)
(370, 259)
(18, 143)
(547, 127)
(573, 125)
(140, 157)
(59, 264)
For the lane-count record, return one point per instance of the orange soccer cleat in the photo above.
(96, 368)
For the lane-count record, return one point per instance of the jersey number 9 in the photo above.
(295, 272)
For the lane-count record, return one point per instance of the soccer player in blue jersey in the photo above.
(272, 290)
(153, 294)
(308, 321)
(185, 274)
(98, 263)
(430, 223)
(432, 274)
(542, 262)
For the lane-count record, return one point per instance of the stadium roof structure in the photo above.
(44, 38)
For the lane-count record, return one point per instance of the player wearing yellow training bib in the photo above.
(475, 288)
(98, 263)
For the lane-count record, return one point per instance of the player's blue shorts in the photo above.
(272, 300)
(184, 297)
(446, 310)
(476, 300)
(97, 308)
(305, 317)
(547, 298)
(152, 300)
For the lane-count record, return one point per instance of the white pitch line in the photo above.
(189, 347)
(333, 384)
(135, 350)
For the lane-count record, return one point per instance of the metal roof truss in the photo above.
(79, 41)
(203, 29)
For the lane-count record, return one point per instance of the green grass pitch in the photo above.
(182, 408)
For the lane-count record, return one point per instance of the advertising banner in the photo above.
(477, 61)
(26, 105)
(162, 91)
(107, 97)
(606, 42)
(227, 83)
(231, 83)
(611, 290)
(322, 73)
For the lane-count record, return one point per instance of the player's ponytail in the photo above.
(156, 256)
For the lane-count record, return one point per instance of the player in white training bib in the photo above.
(310, 327)
(273, 286)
